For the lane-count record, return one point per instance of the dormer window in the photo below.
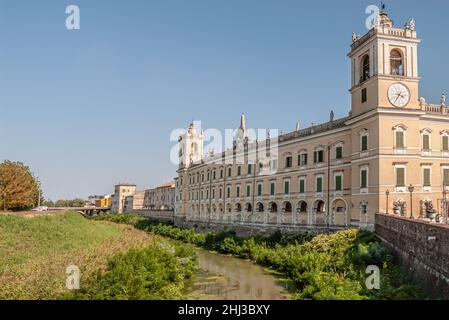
(365, 68)
(396, 63)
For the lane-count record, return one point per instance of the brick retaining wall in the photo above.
(420, 246)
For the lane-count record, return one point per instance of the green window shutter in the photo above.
(239, 171)
(272, 187)
(400, 139)
(259, 190)
(400, 177)
(446, 177)
(445, 143)
(315, 157)
(287, 187)
(305, 159)
(319, 185)
(238, 192)
(302, 186)
(339, 152)
(364, 143)
(250, 169)
(338, 183)
(426, 142)
(364, 179)
(248, 191)
(426, 178)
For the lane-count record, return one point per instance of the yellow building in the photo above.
(391, 153)
(104, 202)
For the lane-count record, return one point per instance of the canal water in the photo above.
(226, 278)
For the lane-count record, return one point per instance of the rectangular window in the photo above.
(446, 177)
(272, 189)
(426, 142)
(259, 190)
(228, 193)
(250, 169)
(229, 172)
(445, 143)
(365, 143)
(319, 184)
(221, 193)
(287, 187)
(426, 177)
(214, 175)
(400, 139)
(221, 174)
(239, 171)
(364, 179)
(288, 162)
(302, 186)
(338, 183)
(302, 159)
(248, 191)
(364, 95)
(400, 177)
(318, 156)
(238, 192)
(339, 153)
(273, 165)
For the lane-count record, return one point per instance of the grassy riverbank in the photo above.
(320, 267)
(116, 261)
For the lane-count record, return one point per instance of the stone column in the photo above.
(266, 217)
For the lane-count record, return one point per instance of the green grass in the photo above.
(24, 239)
(35, 252)
(116, 261)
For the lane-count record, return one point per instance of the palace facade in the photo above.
(390, 154)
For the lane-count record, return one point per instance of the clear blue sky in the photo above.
(86, 109)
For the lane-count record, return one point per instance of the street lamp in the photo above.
(411, 188)
(445, 206)
(387, 193)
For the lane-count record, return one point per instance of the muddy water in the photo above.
(227, 278)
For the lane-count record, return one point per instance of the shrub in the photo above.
(151, 273)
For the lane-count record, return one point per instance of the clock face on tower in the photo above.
(399, 95)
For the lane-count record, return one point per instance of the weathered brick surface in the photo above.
(421, 247)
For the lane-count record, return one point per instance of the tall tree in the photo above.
(19, 188)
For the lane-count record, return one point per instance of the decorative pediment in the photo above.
(426, 130)
(400, 127)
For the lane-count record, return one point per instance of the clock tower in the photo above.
(384, 67)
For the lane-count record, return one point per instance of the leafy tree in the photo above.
(19, 188)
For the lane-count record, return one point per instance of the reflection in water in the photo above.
(227, 278)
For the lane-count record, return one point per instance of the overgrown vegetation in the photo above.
(152, 273)
(320, 267)
(116, 261)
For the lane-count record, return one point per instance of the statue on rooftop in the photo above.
(412, 25)
(443, 99)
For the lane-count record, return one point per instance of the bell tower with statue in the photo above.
(384, 67)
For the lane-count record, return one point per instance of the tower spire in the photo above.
(242, 123)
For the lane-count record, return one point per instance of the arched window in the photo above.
(365, 68)
(396, 63)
